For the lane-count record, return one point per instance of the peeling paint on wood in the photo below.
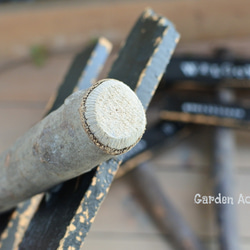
(18, 223)
(77, 69)
(65, 218)
(137, 77)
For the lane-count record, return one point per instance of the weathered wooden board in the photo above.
(18, 223)
(154, 56)
(206, 111)
(84, 70)
(56, 25)
(208, 71)
(144, 56)
(93, 59)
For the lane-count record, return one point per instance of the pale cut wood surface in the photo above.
(80, 124)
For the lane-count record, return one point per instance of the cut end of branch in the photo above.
(113, 116)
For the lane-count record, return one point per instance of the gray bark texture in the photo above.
(56, 149)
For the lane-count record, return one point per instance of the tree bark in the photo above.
(91, 127)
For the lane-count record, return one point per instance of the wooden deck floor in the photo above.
(182, 170)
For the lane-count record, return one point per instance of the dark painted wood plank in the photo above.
(84, 70)
(141, 69)
(208, 71)
(18, 223)
(223, 179)
(206, 111)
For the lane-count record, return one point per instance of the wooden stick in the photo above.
(223, 181)
(108, 119)
(66, 218)
(161, 210)
(82, 73)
